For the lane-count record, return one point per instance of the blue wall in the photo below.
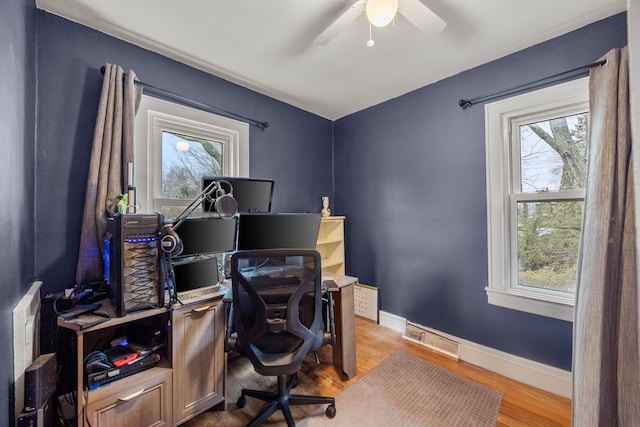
(295, 149)
(17, 127)
(410, 177)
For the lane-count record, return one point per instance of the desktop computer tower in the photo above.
(133, 258)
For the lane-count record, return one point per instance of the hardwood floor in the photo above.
(522, 405)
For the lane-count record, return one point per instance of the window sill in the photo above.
(524, 301)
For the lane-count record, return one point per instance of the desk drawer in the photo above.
(142, 400)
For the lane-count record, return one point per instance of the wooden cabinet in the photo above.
(330, 244)
(188, 379)
(198, 358)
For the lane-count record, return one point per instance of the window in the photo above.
(536, 146)
(175, 146)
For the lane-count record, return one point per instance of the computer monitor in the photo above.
(278, 231)
(206, 235)
(251, 194)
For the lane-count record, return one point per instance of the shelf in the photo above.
(88, 323)
(330, 244)
(329, 241)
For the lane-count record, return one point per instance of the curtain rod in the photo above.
(196, 104)
(466, 103)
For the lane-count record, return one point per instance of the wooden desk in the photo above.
(344, 350)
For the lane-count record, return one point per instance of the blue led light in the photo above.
(141, 239)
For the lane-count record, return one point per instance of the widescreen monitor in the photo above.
(278, 231)
(205, 235)
(251, 194)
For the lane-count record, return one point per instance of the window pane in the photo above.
(553, 154)
(185, 160)
(548, 240)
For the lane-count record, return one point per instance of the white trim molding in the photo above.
(502, 163)
(156, 116)
(536, 374)
(392, 321)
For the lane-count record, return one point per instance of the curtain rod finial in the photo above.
(465, 103)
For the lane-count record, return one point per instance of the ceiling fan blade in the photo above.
(421, 16)
(347, 17)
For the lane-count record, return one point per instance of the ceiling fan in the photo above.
(382, 12)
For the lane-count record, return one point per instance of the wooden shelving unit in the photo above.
(330, 244)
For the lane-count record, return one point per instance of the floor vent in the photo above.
(431, 339)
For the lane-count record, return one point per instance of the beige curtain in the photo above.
(606, 371)
(108, 169)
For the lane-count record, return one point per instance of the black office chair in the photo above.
(278, 319)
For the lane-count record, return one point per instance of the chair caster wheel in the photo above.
(241, 402)
(331, 411)
(294, 381)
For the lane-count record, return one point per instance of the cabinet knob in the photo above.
(131, 396)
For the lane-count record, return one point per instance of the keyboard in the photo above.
(202, 293)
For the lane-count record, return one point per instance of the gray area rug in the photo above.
(405, 390)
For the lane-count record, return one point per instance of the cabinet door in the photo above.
(198, 358)
(142, 400)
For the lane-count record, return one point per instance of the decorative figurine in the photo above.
(325, 212)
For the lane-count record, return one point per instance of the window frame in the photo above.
(501, 117)
(157, 115)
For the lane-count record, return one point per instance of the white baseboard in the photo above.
(536, 374)
(392, 321)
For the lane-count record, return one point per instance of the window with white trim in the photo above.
(175, 146)
(536, 148)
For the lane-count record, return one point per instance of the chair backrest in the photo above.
(277, 307)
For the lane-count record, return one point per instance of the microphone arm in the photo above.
(214, 186)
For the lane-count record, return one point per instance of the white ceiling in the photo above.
(268, 46)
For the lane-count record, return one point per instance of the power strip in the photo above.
(365, 299)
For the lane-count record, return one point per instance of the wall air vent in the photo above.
(429, 338)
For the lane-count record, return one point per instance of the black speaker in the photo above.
(132, 262)
(39, 381)
(44, 416)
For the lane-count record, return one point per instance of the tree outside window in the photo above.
(553, 159)
(185, 160)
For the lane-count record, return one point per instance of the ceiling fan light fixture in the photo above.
(381, 12)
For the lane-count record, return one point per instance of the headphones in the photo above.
(170, 242)
(224, 204)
